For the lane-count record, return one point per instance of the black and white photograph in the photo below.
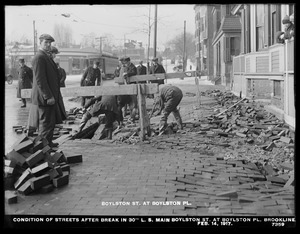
(149, 115)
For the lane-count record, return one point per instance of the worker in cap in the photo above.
(46, 37)
(167, 101)
(157, 68)
(25, 76)
(53, 52)
(47, 108)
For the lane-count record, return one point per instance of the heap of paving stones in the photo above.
(32, 166)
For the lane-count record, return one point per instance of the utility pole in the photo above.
(184, 52)
(149, 32)
(100, 38)
(34, 38)
(155, 30)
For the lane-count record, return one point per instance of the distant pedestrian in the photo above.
(117, 71)
(25, 76)
(62, 73)
(47, 107)
(168, 99)
(141, 69)
(128, 69)
(90, 77)
(157, 68)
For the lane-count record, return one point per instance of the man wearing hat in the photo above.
(24, 79)
(141, 69)
(89, 78)
(157, 68)
(62, 73)
(127, 70)
(47, 107)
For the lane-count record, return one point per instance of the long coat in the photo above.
(141, 70)
(90, 76)
(130, 70)
(158, 68)
(24, 79)
(45, 86)
(62, 77)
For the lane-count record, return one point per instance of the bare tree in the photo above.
(176, 46)
(63, 35)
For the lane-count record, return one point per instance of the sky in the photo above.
(121, 21)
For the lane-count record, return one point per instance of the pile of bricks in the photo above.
(33, 166)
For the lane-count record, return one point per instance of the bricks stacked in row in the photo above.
(33, 166)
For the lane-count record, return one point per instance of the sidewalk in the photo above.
(167, 175)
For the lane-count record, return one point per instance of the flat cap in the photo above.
(21, 60)
(54, 50)
(96, 62)
(286, 20)
(46, 37)
(155, 59)
(124, 59)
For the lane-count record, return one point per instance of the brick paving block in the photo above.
(46, 188)
(26, 175)
(276, 179)
(53, 173)
(62, 180)
(75, 158)
(11, 197)
(26, 154)
(47, 148)
(16, 157)
(23, 146)
(38, 182)
(256, 177)
(289, 182)
(37, 146)
(269, 170)
(42, 168)
(35, 158)
(286, 139)
(287, 166)
(65, 167)
(58, 157)
(9, 171)
(232, 193)
(25, 189)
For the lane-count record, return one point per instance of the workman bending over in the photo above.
(106, 104)
(168, 99)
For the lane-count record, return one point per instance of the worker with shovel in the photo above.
(168, 99)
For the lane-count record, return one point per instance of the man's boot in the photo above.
(84, 120)
(178, 119)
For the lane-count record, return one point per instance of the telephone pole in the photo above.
(155, 30)
(184, 50)
(34, 38)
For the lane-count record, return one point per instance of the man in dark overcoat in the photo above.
(155, 69)
(89, 78)
(127, 70)
(24, 79)
(141, 69)
(47, 107)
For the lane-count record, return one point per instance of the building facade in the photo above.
(204, 35)
(265, 68)
(226, 42)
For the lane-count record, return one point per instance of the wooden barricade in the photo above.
(141, 90)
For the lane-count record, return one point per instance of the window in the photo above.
(259, 27)
(277, 88)
(234, 46)
(275, 22)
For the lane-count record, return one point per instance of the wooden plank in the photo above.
(160, 76)
(144, 118)
(99, 90)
